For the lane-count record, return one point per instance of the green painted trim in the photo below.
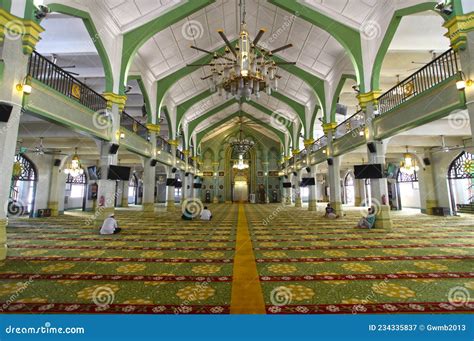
(57, 118)
(95, 36)
(348, 37)
(30, 10)
(168, 120)
(203, 133)
(297, 107)
(182, 108)
(6, 4)
(337, 93)
(135, 38)
(146, 98)
(390, 33)
(313, 119)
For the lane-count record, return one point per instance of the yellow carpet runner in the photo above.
(247, 297)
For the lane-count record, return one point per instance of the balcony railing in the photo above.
(302, 155)
(130, 123)
(162, 144)
(319, 143)
(48, 73)
(437, 71)
(180, 155)
(354, 122)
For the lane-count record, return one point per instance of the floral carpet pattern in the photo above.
(306, 264)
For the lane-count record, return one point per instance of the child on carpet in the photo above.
(330, 213)
(206, 214)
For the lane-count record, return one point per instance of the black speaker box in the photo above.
(5, 112)
(174, 169)
(427, 161)
(57, 162)
(153, 162)
(186, 174)
(308, 169)
(295, 174)
(330, 162)
(113, 148)
(372, 148)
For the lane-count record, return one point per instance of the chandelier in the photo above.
(245, 69)
(241, 164)
(241, 145)
(74, 168)
(408, 165)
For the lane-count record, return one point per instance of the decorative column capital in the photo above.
(14, 26)
(153, 128)
(328, 127)
(458, 27)
(295, 151)
(186, 152)
(369, 97)
(287, 158)
(113, 98)
(174, 143)
(308, 142)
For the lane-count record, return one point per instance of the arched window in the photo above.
(76, 185)
(23, 186)
(407, 177)
(462, 167)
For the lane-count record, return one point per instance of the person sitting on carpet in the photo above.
(330, 213)
(367, 222)
(206, 214)
(110, 226)
(187, 215)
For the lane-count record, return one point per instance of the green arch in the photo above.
(203, 133)
(95, 36)
(390, 33)
(135, 38)
(337, 93)
(347, 36)
(146, 99)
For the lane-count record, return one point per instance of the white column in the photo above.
(149, 182)
(312, 199)
(334, 176)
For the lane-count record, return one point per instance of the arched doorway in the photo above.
(75, 192)
(461, 182)
(23, 187)
(408, 189)
(133, 190)
(349, 189)
(240, 192)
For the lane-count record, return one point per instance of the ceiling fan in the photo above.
(55, 60)
(244, 68)
(445, 148)
(42, 150)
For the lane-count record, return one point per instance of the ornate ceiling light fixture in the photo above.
(74, 168)
(408, 165)
(244, 69)
(241, 164)
(241, 145)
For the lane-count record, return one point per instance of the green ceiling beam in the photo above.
(389, 34)
(6, 4)
(146, 99)
(313, 120)
(347, 36)
(185, 106)
(135, 38)
(95, 36)
(337, 93)
(290, 126)
(203, 133)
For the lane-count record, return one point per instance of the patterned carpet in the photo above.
(305, 264)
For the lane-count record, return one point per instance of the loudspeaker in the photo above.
(196, 177)
(295, 174)
(372, 148)
(113, 148)
(186, 174)
(330, 161)
(308, 169)
(5, 112)
(153, 162)
(427, 161)
(174, 169)
(286, 176)
(57, 162)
